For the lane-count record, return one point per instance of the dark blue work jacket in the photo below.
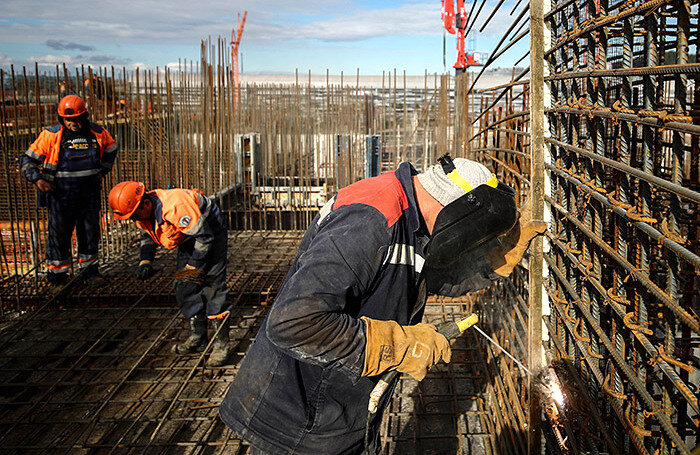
(299, 388)
(73, 161)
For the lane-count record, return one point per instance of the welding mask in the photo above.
(464, 230)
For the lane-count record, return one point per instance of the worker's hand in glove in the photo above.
(410, 349)
(188, 281)
(515, 242)
(44, 186)
(188, 275)
(144, 271)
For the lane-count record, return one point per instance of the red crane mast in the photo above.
(458, 24)
(235, 44)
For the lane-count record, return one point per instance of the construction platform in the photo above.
(92, 371)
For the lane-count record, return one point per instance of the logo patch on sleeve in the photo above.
(185, 221)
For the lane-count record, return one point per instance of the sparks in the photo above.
(557, 394)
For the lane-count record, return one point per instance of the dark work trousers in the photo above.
(66, 213)
(213, 296)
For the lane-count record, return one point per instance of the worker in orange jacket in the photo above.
(193, 223)
(66, 163)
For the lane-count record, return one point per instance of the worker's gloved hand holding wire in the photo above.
(144, 271)
(410, 349)
(188, 281)
(188, 275)
(515, 242)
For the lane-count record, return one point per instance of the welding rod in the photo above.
(518, 362)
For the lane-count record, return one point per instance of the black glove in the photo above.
(144, 271)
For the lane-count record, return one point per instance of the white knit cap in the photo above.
(444, 190)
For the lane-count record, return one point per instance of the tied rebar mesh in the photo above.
(622, 164)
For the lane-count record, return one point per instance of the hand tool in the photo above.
(517, 362)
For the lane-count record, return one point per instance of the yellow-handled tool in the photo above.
(452, 329)
(449, 330)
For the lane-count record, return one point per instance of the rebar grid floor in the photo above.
(92, 378)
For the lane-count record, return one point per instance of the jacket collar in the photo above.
(157, 207)
(404, 174)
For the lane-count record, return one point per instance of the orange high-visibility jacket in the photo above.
(180, 213)
(177, 215)
(47, 148)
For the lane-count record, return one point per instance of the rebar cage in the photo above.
(622, 165)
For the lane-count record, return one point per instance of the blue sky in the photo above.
(279, 37)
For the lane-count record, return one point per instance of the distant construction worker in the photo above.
(351, 305)
(193, 223)
(74, 156)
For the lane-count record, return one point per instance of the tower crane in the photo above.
(235, 44)
(457, 24)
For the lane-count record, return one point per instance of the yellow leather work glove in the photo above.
(410, 349)
(515, 242)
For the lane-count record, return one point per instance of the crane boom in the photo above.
(235, 44)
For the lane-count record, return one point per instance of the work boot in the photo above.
(56, 279)
(91, 276)
(221, 347)
(94, 280)
(197, 340)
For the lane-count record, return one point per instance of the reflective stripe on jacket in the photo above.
(46, 150)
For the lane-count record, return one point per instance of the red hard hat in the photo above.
(71, 106)
(125, 198)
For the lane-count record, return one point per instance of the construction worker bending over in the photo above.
(193, 223)
(351, 305)
(73, 156)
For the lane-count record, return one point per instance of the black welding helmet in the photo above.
(464, 230)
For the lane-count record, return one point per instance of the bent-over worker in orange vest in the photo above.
(74, 156)
(193, 223)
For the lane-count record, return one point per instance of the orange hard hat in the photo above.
(71, 106)
(125, 198)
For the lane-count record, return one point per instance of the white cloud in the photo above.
(5, 60)
(407, 20)
(302, 29)
(61, 45)
(51, 59)
(176, 22)
(93, 60)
